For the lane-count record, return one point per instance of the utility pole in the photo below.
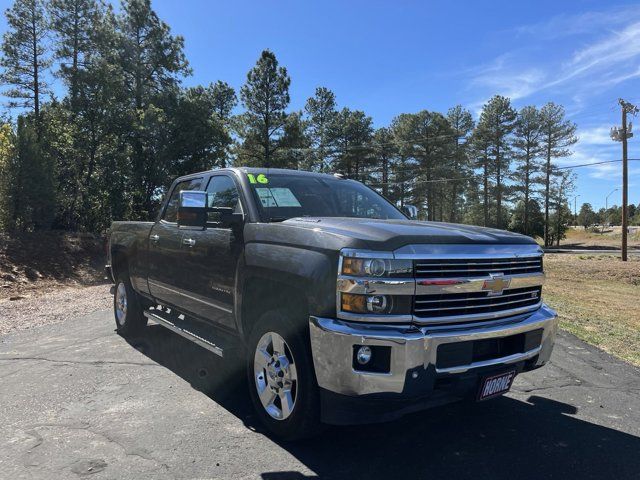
(622, 135)
(575, 211)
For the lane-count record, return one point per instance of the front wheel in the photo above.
(127, 309)
(281, 377)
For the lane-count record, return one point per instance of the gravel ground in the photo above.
(45, 308)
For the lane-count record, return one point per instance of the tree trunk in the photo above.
(546, 195)
(485, 192)
(526, 192)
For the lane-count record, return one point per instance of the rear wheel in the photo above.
(127, 309)
(282, 383)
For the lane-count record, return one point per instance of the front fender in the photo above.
(311, 271)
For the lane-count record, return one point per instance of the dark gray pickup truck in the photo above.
(345, 310)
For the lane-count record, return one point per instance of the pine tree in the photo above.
(558, 134)
(152, 62)
(352, 131)
(25, 56)
(321, 113)
(497, 120)
(527, 148)
(384, 154)
(462, 124)
(480, 143)
(265, 96)
(75, 25)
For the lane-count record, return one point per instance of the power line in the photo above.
(595, 163)
(457, 179)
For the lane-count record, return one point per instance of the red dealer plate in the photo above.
(496, 385)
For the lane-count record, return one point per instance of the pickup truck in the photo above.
(345, 309)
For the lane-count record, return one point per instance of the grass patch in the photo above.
(598, 300)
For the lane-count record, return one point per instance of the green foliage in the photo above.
(321, 113)
(31, 185)
(24, 55)
(125, 128)
(496, 123)
(265, 96)
(526, 175)
(557, 135)
(351, 132)
(586, 216)
(534, 225)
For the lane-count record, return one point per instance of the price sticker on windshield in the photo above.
(260, 178)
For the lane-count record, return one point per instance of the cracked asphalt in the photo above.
(77, 400)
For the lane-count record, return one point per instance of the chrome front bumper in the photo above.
(414, 351)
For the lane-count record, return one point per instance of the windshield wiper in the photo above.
(278, 219)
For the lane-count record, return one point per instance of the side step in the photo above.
(174, 324)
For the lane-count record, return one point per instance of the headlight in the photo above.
(376, 267)
(373, 284)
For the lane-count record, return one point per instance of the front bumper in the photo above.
(414, 369)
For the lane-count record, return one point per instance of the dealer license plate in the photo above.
(496, 385)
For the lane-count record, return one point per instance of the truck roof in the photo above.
(256, 170)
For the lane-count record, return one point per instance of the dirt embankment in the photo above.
(47, 277)
(35, 263)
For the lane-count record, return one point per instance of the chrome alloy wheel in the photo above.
(121, 304)
(275, 376)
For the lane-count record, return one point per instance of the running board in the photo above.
(158, 317)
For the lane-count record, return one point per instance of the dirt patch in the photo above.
(42, 262)
(610, 237)
(597, 300)
(50, 307)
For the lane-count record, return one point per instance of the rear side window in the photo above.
(171, 211)
(223, 193)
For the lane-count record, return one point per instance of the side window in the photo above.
(223, 193)
(171, 211)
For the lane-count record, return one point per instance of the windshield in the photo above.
(282, 196)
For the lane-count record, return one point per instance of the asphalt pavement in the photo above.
(77, 400)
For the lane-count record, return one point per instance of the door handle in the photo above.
(188, 241)
(154, 238)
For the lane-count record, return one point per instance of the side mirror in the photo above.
(410, 211)
(192, 209)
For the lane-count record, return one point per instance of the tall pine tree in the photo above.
(265, 96)
(25, 56)
(557, 135)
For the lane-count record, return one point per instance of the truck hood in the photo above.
(393, 234)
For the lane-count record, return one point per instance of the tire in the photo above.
(293, 413)
(127, 308)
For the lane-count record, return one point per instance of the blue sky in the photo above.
(399, 56)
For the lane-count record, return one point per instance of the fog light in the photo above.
(364, 355)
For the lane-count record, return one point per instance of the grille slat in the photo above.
(476, 270)
(521, 303)
(476, 305)
(483, 296)
(476, 267)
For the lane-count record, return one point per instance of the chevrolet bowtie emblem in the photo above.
(496, 285)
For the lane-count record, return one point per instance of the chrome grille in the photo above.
(476, 303)
(476, 267)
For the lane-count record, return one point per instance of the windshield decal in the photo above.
(260, 178)
(277, 197)
(266, 198)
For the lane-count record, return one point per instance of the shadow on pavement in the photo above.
(499, 439)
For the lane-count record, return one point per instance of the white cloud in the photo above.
(595, 136)
(581, 23)
(608, 60)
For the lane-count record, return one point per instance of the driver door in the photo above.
(211, 257)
